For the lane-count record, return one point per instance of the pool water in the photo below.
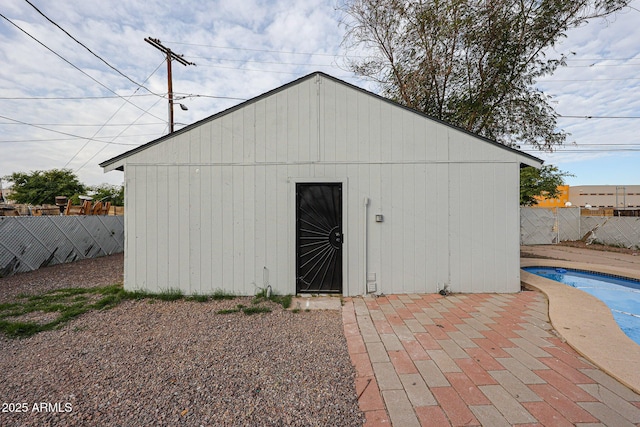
(622, 296)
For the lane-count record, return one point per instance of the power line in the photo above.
(585, 80)
(604, 144)
(95, 134)
(263, 62)
(601, 59)
(121, 132)
(557, 151)
(71, 98)
(598, 117)
(587, 148)
(73, 65)
(601, 65)
(170, 56)
(88, 125)
(97, 138)
(263, 50)
(112, 116)
(57, 131)
(90, 51)
(248, 69)
(264, 71)
(192, 95)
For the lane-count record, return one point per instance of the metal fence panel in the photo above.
(613, 230)
(537, 227)
(28, 243)
(569, 224)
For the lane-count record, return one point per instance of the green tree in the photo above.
(471, 63)
(541, 182)
(42, 187)
(109, 193)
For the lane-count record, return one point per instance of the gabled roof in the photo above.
(286, 86)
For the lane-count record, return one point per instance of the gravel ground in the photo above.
(159, 363)
(84, 273)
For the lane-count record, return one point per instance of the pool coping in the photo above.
(585, 322)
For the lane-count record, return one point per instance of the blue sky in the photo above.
(61, 106)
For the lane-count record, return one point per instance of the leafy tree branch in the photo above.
(472, 63)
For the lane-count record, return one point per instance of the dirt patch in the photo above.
(524, 254)
(598, 247)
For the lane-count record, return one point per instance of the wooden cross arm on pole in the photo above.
(158, 45)
(170, 56)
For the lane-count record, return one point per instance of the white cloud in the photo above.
(242, 48)
(600, 81)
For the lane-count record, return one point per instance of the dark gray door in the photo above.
(319, 238)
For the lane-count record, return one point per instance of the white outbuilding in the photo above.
(319, 186)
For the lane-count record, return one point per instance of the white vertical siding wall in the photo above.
(214, 207)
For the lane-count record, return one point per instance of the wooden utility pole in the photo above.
(170, 56)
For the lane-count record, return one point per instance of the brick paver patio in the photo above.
(475, 359)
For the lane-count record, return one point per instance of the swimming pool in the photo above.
(621, 295)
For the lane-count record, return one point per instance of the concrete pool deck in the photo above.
(484, 359)
(606, 259)
(584, 321)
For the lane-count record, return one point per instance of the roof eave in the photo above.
(529, 160)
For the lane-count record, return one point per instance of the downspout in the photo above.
(364, 240)
(318, 118)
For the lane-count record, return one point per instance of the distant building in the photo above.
(606, 196)
(559, 202)
(607, 199)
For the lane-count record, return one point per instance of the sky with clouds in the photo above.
(62, 106)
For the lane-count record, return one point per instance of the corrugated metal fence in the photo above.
(544, 227)
(28, 243)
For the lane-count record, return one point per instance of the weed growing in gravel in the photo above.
(283, 300)
(174, 294)
(198, 298)
(30, 314)
(138, 294)
(220, 294)
(254, 309)
(19, 329)
(231, 310)
(171, 294)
